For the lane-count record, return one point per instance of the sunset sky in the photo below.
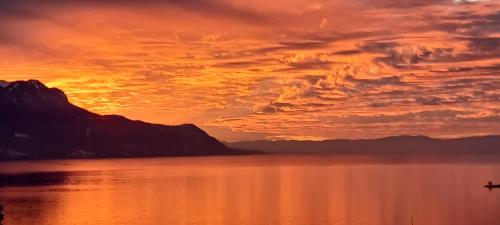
(267, 69)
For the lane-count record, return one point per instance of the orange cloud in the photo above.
(267, 69)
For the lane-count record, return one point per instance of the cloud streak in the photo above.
(267, 69)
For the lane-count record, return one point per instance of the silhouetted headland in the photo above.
(38, 122)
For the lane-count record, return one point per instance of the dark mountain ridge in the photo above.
(38, 122)
(388, 145)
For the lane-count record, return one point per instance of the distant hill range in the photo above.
(389, 145)
(37, 122)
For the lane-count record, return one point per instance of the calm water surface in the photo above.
(253, 190)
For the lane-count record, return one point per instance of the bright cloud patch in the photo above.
(268, 69)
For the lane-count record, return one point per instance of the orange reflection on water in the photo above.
(254, 190)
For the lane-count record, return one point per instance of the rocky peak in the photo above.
(31, 93)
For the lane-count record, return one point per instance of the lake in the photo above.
(253, 190)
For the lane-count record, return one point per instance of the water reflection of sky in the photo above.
(262, 190)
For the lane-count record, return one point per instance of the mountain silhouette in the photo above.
(405, 145)
(38, 122)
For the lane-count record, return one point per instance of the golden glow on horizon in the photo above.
(267, 69)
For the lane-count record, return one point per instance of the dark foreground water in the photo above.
(253, 190)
